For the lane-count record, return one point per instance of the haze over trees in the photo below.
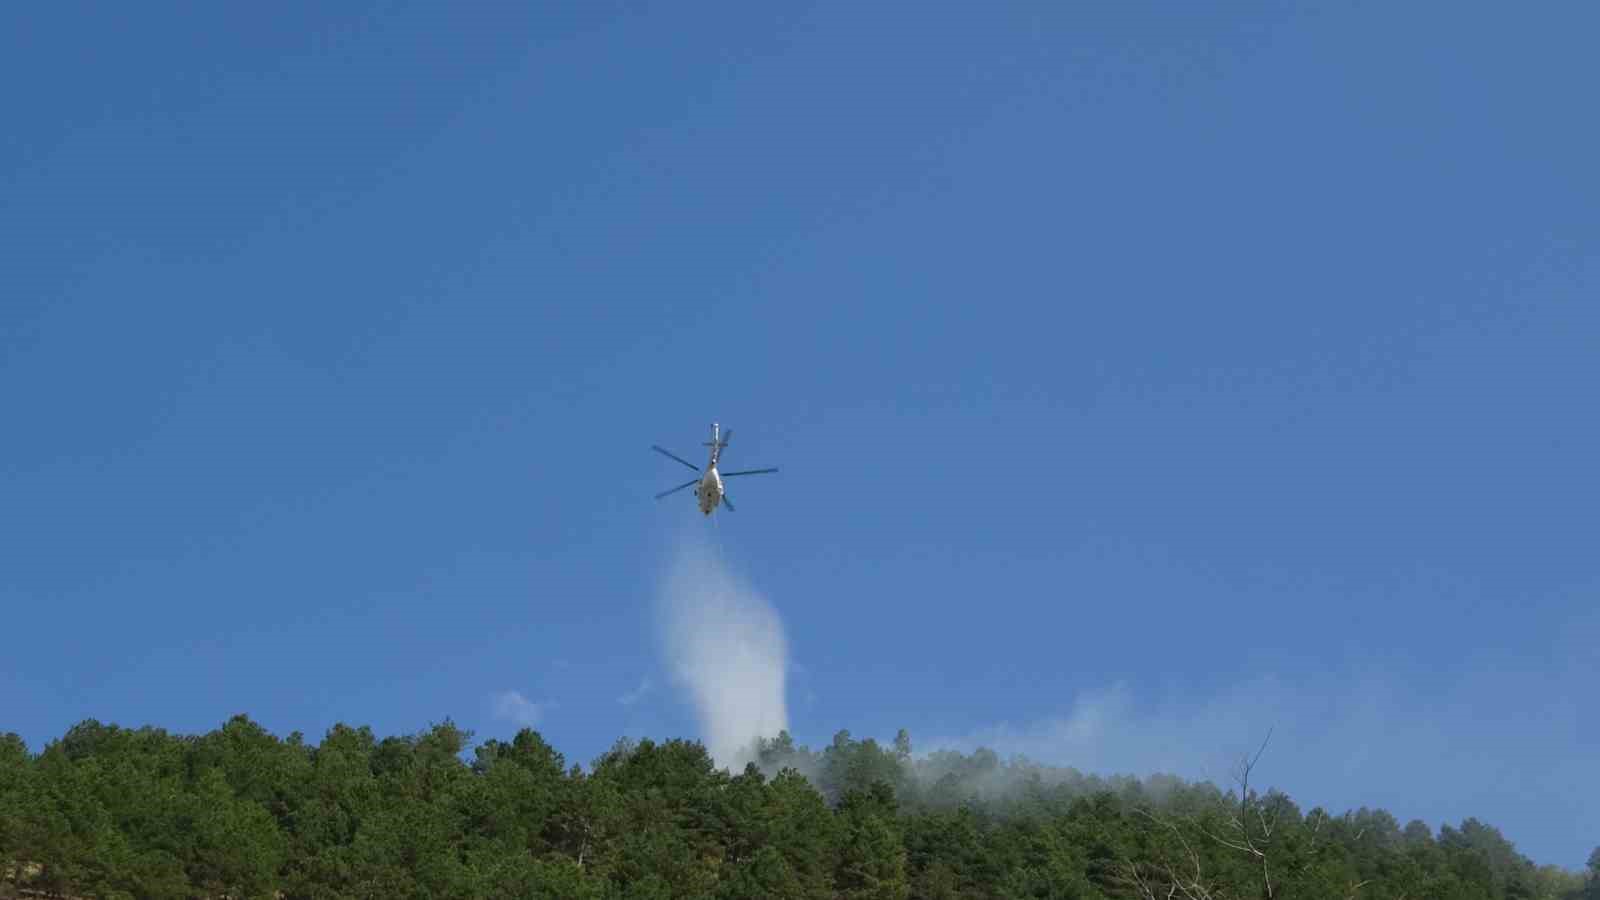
(113, 812)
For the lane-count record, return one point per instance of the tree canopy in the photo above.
(113, 812)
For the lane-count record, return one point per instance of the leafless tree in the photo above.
(1265, 816)
(1166, 879)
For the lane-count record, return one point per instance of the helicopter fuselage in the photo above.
(709, 490)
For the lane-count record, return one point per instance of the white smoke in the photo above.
(725, 646)
(511, 705)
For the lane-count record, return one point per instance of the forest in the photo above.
(112, 812)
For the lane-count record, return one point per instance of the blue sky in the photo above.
(1141, 377)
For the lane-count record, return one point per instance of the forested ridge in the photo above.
(114, 812)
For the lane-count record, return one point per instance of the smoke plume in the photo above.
(725, 646)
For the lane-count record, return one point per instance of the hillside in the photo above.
(113, 812)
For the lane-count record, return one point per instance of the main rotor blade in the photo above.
(726, 437)
(670, 455)
(678, 488)
(727, 504)
(748, 472)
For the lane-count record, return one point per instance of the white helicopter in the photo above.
(708, 486)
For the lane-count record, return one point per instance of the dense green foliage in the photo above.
(112, 812)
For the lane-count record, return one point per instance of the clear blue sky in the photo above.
(1163, 374)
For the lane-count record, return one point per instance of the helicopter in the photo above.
(708, 485)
